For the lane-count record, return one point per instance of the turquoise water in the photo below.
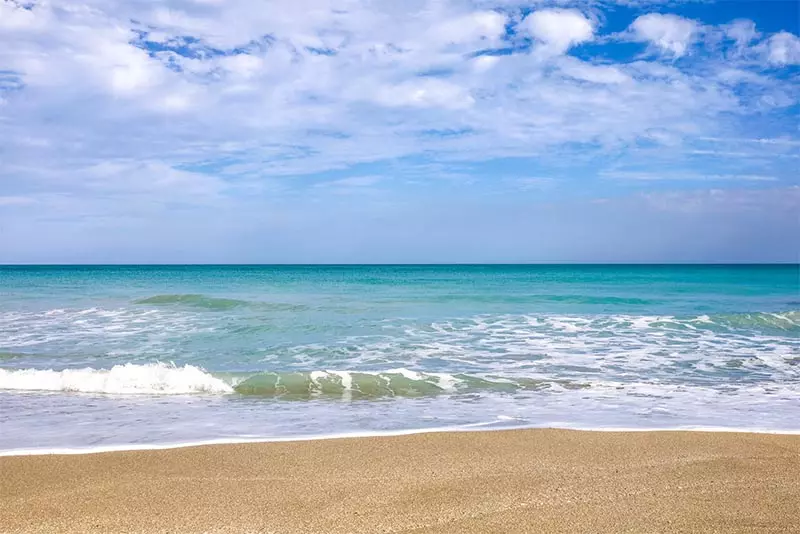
(116, 355)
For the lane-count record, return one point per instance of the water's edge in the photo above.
(491, 426)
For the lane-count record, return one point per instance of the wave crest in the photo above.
(153, 378)
(169, 379)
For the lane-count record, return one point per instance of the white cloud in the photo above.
(423, 93)
(558, 29)
(480, 27)
(602, 74)
(742, 32)
(782, 49)
(734, 76)
(13, 18)
(252, 92)
(670, 33)
(748, 47)
(483, 63)
(686, 176)
(243, 66)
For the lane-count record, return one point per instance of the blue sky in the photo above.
(381, 131)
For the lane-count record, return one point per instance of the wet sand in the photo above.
(478, 482)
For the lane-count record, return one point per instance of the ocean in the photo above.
(103, 357)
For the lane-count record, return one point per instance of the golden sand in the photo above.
(479, 482)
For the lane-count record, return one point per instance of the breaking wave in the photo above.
(169, 379)
(154, 378)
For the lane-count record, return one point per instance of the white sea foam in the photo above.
(347, 381)
(110, 327)
(411, 375)
(707, 350)
(154, 378)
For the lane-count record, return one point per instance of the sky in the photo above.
(385, 131)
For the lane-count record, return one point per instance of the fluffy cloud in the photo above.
(423, 93)
(559, 29)
(480, 27)
(782, 49)
(670, 33)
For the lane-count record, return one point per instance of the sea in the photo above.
(123, 357)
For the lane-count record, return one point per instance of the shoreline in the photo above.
(534, 480)
(474, 427)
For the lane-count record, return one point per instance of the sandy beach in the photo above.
(504, 481)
